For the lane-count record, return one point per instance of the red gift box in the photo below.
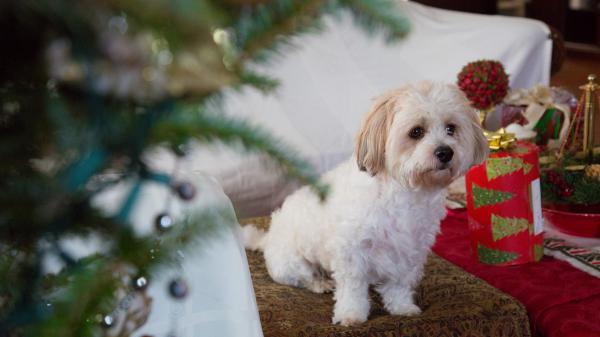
(504, 206)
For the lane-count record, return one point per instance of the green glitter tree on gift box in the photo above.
(487, 197)
(88, 87)
(494, 256)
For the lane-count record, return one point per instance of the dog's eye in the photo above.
(416, 132)
(450, 129)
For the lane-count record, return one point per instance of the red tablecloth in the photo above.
(561, 301)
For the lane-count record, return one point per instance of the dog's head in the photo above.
(421, 135)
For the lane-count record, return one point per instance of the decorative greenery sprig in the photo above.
(571, 181)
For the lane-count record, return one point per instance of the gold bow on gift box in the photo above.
(497, 140)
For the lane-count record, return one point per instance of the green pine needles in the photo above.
(86, 88)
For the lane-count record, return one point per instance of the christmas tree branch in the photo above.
(207, 127)
(93, 88)
(93, 280)
(91, 289)
(261, 82)
(379, 15)
(195, 18)
(259, 31)
(262, 30)
(157, 252)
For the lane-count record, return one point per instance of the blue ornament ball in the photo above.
(186, 191)
(178, 288)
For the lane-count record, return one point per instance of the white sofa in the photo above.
(329, 80)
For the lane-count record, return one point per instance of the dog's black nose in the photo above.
(444, 153)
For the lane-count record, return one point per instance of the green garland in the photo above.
(561, 184)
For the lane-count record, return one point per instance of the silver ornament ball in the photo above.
(108, 321)
(163, 222)
(140, 283)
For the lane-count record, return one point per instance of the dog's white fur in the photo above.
(385, 205)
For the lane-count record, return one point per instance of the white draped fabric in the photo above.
(329, 80)
(221, 300)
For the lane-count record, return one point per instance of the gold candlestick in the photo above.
(590, 109)
(580, 140)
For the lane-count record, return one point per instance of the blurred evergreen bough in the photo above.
(86, 87)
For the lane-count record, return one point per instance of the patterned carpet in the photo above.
(454, 303)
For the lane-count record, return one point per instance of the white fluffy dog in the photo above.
(385, 205)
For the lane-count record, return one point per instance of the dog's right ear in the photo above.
(372, 137)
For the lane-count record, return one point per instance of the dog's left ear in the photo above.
(372, 137)
(480, 144)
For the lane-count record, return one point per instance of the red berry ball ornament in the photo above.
(484, 82)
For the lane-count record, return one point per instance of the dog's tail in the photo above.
(254, 238)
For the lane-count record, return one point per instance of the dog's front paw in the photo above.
(351, 318)
(404, 309)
